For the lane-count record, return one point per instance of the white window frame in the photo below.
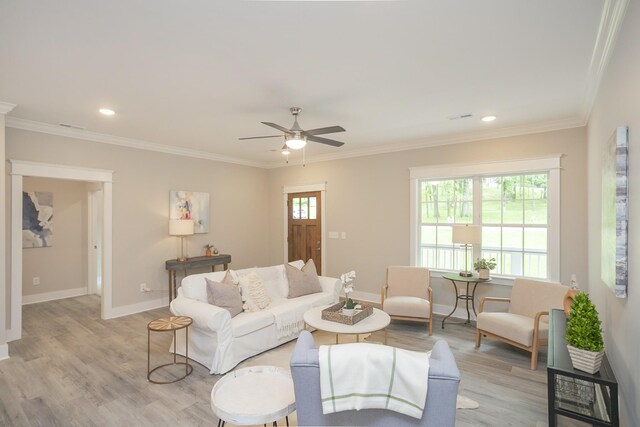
(549, 164)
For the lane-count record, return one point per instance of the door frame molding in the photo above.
(20, 169)
(322, 188)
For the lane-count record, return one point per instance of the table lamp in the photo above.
(467, 235)
(181, 228)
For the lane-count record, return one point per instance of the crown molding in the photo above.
(6, 107)
(613, 12)
(48, 128)
(506, 132)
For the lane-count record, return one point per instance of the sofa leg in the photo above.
(478, 338)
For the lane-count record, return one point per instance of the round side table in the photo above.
(169, 324)
(471, 280)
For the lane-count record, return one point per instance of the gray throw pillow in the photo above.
(225, 296)
(302, 282)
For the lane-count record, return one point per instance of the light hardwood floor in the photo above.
(73, 369)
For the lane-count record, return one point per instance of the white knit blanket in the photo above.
(363, 376)
(289, 320)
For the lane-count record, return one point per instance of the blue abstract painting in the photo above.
(37, 219)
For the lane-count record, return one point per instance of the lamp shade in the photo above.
(181, 227)
(467, 234)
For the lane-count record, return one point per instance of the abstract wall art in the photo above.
(190, 205)
(37, 219)
(614, 265)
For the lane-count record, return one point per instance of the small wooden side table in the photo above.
(173, 266)
(475, 279)
(169, 324)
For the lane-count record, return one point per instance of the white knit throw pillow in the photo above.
(254, 293)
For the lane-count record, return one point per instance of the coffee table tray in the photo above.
(334, 314)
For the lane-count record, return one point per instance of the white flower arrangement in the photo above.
(347, 280)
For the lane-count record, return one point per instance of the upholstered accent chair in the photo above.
(525, 324)
(407, 295)
(439, 409)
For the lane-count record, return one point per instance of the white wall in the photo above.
(142, 181)
(62, 266)
(618, 103)
(4, 245)
(368, 198)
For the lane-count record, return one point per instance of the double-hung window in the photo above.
(515, 203)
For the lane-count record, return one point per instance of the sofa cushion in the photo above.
(407, 307)
(275, 280)
(195, 287)
(514, 327)
(248, 322)
(253, 292)
(302, 281)
(224, 295)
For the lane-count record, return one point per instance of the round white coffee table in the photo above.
(253, 395)
(377, 321)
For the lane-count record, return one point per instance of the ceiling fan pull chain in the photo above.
(304, 161)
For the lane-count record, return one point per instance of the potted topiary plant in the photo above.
(584, 336)
(483, 266)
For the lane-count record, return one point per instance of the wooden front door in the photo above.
(304, 235)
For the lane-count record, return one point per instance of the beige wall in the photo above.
(368, 198)
(618, 103)
(142, 181)
(62, 266)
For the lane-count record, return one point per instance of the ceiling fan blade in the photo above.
(325, 141)
(322, 131)
(280, 128)
(258, 137)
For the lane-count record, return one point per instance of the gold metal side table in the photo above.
(169, 324)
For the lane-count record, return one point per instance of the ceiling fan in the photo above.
(296, 137)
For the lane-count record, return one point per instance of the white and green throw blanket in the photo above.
(364, 376)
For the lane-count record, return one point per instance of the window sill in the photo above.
(495, 280)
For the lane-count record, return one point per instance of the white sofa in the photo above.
(220, 342)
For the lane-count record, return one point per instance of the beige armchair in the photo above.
(407, 295)
(525, 325)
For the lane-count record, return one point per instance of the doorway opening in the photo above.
(94, 247)
(20, 169)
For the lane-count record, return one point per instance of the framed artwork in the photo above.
(190, 205)
(37, 219)
(614, 264)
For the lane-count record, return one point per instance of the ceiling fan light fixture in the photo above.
(296, 142)
(286, 152)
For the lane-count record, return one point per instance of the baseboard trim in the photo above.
(52, 296)
(139, 307)
(439, 309)
(4, 351)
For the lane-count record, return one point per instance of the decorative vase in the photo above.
(348, 311)
(568, 301)
(484, 273)
(585, 360)
(207, 252)
(215, 251)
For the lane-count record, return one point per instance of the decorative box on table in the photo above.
(334, 314)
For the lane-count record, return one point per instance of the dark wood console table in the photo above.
(173, 266)
(592, 398)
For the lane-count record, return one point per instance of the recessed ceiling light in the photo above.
(488, 118)
(107, 112)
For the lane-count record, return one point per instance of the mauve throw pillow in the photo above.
(225, 296)
(302, 282)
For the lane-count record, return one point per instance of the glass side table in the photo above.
(469, 281)
(592, 398)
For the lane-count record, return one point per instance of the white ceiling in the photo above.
(197, 75)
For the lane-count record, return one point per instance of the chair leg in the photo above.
(534, 355)
(478, 338)
(430, 326)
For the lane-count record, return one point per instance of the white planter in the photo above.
(584, 360)
(484, 273)
(348, 311)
